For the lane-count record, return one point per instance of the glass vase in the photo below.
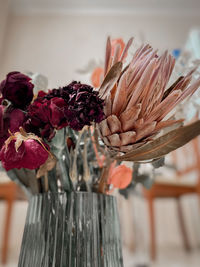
(76, 229)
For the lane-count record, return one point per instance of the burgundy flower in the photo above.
(46, 115)
(84, 104)
(30, 154)
(10, 119)
(18, 89)
(11, 158)
(3, 126)
(16, 119)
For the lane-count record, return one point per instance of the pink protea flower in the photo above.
(136, 98)
(23, 151)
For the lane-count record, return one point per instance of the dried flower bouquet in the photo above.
(80, 135)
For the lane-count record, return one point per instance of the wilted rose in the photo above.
(30, 154)
(10, 119)
(46, 115)
(18, 89)
(16, 119)
(3, 127)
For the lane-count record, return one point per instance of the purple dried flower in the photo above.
(84, 105)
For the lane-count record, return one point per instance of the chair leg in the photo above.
(152, 228)
(6, 231)
(182, 226)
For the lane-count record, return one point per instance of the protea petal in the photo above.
(146, 130)
(127, 138)
(104, 128)
(120, 97)
(114, 140)
(114, 124)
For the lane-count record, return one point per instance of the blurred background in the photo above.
(65, 40)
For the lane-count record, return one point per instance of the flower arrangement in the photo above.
(81, 135)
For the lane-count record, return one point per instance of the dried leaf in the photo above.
(164, 144)
(120, 96)
(108, 55)
(47, 166)
(110, 79)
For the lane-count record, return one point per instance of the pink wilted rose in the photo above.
(18, 89)
(23, 151)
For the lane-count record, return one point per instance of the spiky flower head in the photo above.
(136, 98)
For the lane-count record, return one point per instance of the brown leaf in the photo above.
(108, 55)
(110, 79)
(120, 96)
(164, 144)
(47, 166)
(171, 88)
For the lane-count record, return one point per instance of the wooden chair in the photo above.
(189, 155)
(9, 192)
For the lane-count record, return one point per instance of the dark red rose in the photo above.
(16, 118)
(10, 119)
(10, 158)
(31, 154)
(3, 127)
(1, 118)
(18, 89)
(46, 115)
(57, 107)
(35, 154)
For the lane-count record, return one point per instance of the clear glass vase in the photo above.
(78, 229)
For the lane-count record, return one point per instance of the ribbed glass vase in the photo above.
(71, 230)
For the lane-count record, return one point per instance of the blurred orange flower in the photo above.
(120, 176)
(97, 77)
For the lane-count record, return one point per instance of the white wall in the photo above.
(4, 10)
(58, 45)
